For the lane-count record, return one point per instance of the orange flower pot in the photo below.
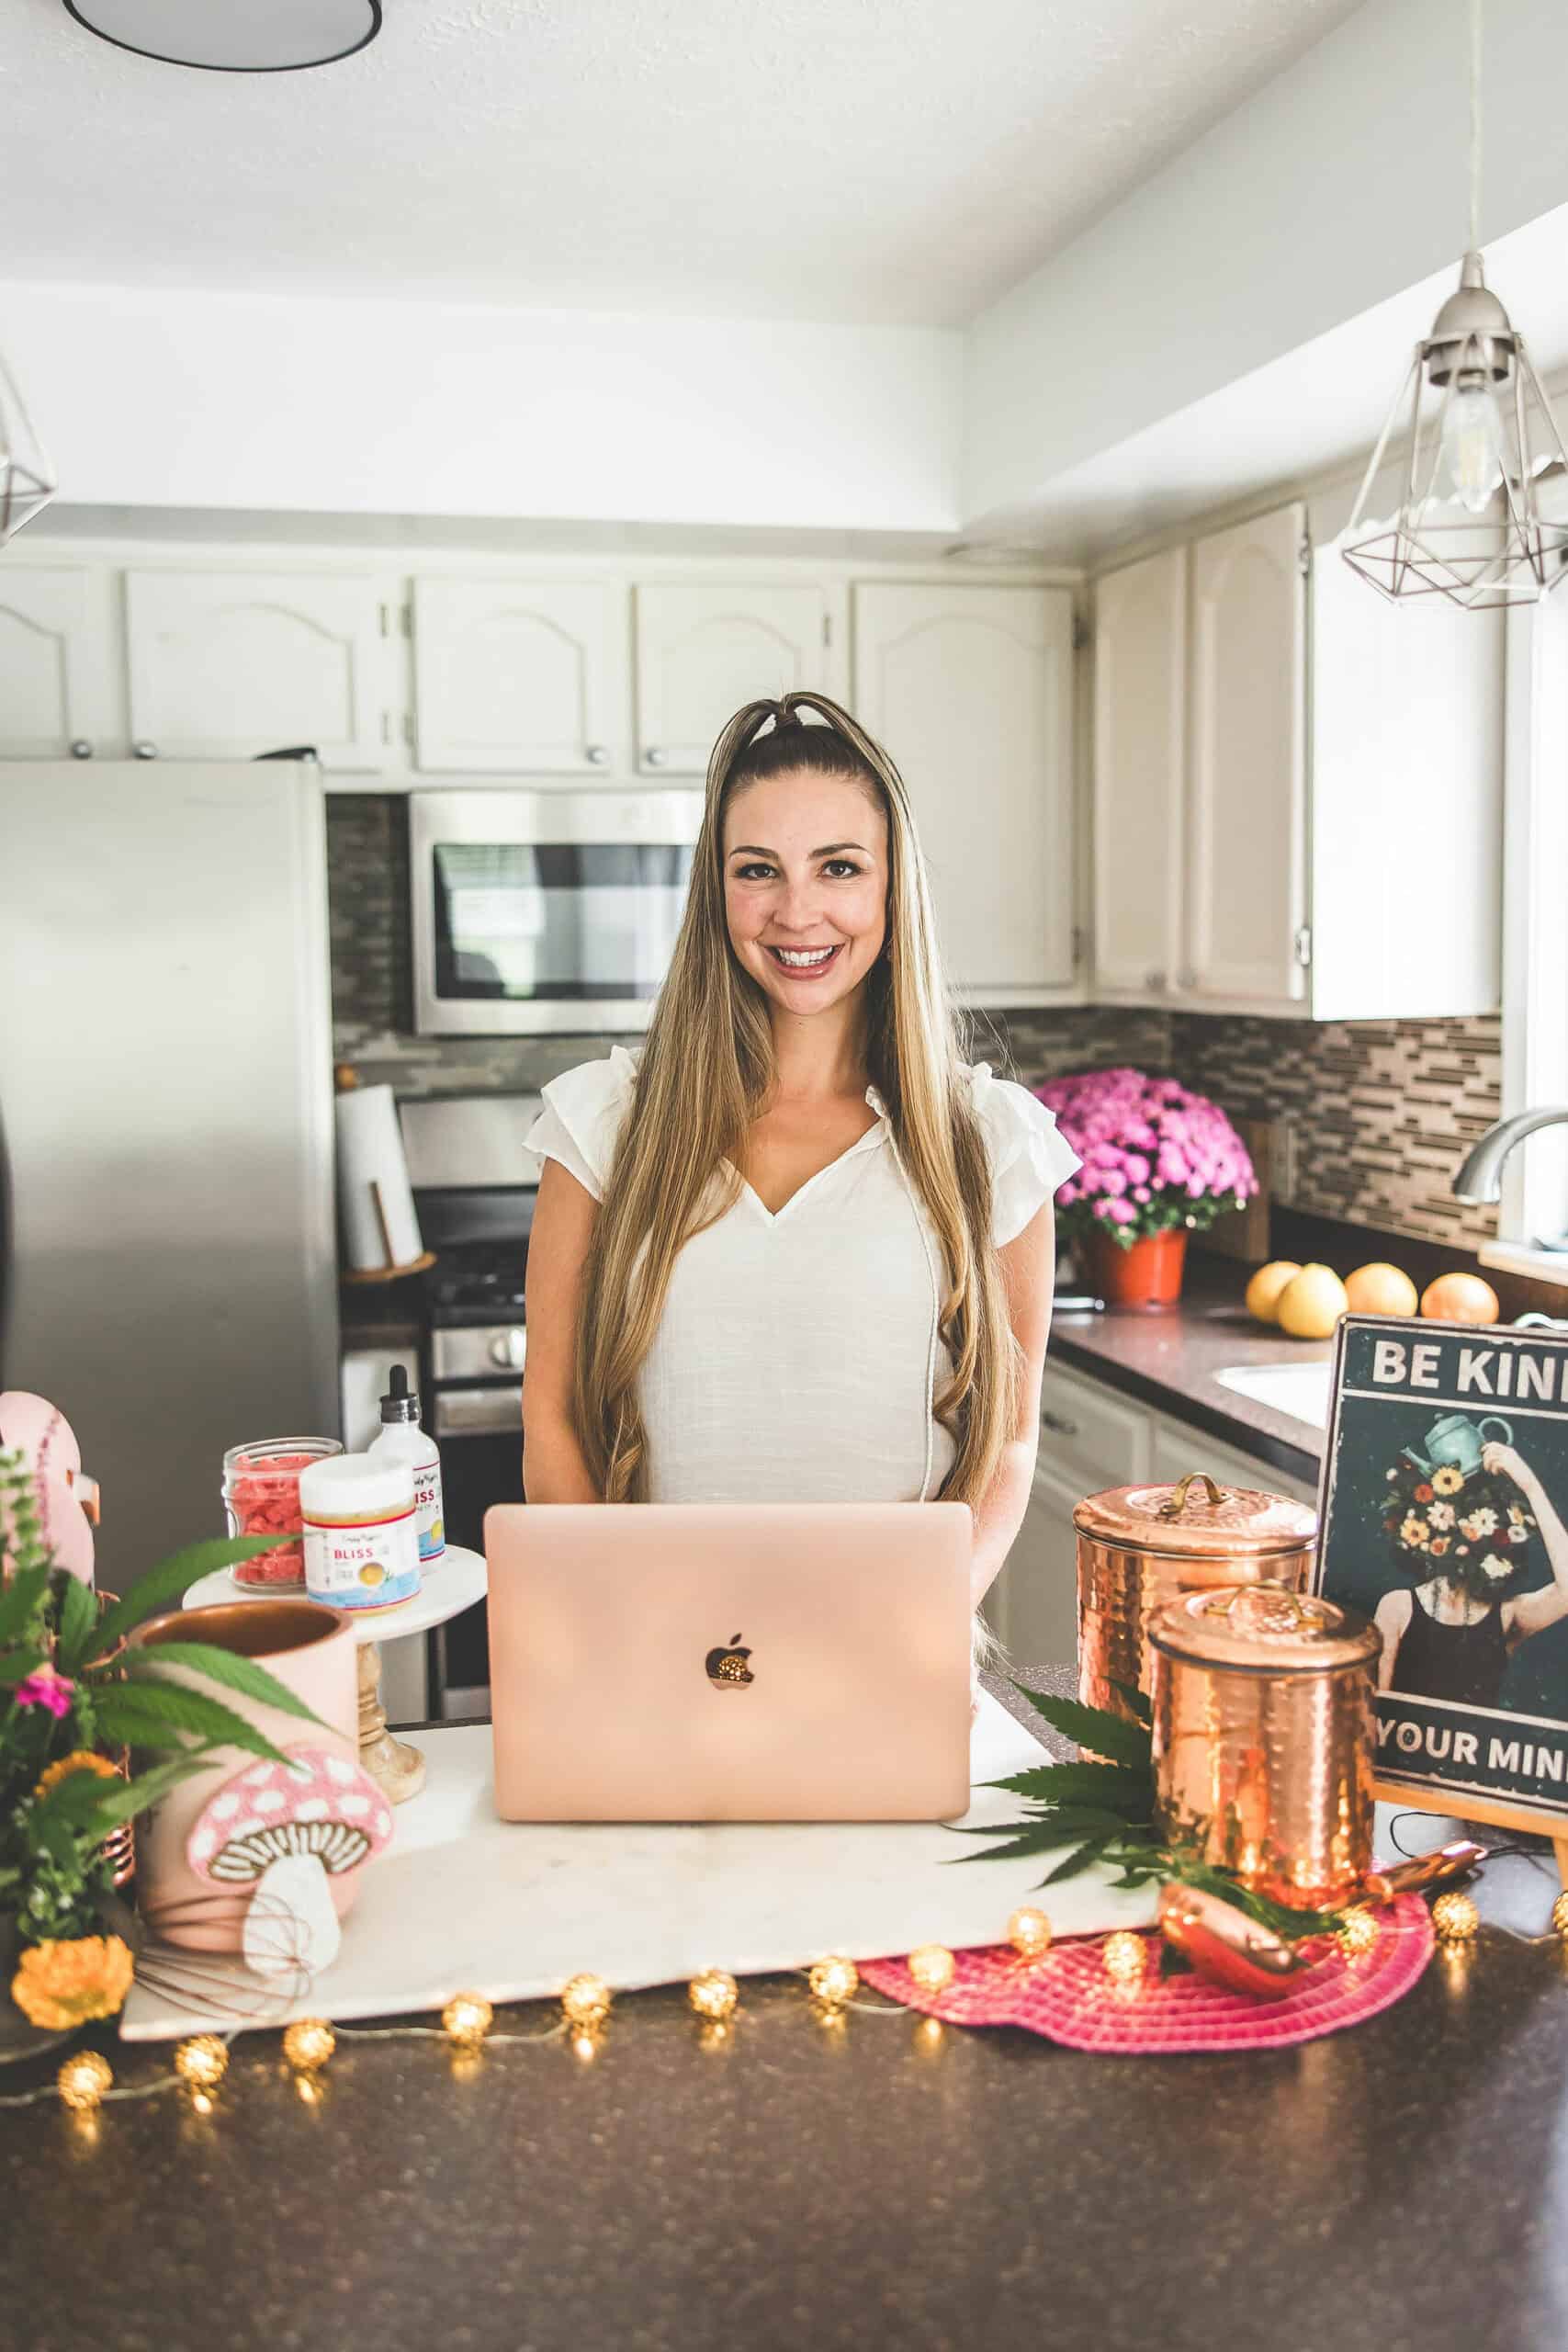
(1148, 1275)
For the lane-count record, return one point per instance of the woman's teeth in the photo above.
(804, 959)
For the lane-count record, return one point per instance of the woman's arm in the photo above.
(554, 1470)
(1029, 1272)
(1535, 1611)
(1392, 1618)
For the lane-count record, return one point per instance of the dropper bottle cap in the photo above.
(401, 1403)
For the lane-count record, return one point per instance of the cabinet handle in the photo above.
(81, 749)
(1058, 1422)
(596, 754)
(1186, 981)
(144, 750)
(656, 756)
(1155, 982)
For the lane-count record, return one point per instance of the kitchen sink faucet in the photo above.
(1479, 1174)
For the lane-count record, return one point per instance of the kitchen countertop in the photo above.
(1397, 2185)
(1168, 1358)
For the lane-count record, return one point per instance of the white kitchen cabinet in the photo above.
(1244, 901)
(1032, 1606)
(970, 689)
(1175, 1447)
(521, 676)
(1140, 729)
(1092, 1437)
(1335, 767)
(231, 663)
(60, 680)
(705, 648)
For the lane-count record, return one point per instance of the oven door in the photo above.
(479, 1432)
(541, 911)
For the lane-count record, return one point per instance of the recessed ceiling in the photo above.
(892, 160)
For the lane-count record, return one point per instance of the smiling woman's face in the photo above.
(805, 886)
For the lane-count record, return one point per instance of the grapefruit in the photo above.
(1461, 1298)
(1380, 1289)
(1311, 1304)
(1263, 1290)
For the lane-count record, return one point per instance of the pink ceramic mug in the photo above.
(310, 1650)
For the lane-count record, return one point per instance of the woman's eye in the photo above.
(752, 873)
(847, 867)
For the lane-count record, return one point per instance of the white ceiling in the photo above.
(880, 160)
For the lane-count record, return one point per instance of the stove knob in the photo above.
(509, 1348)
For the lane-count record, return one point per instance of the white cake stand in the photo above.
(453, 1583)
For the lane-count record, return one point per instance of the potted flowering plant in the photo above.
(74, 1704)
(1159, 1162)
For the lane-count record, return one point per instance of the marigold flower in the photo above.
(1423, 1492)
(59, 1985)
(1439, 1545)
(1447, 1481)
(1414, 1532)
(81, 1759)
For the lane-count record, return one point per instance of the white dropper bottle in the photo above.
(402, 1438)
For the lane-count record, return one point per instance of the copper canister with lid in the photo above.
(1263, 1715)
(1141, 1546)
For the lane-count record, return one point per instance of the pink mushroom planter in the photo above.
(289, 1839)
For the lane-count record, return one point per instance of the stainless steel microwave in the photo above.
(545, 911)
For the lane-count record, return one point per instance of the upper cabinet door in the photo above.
(227, 664)
(1246, 898)
(59, 675)
(1140, 755)
(706, 647)
(520, 675)
(970, 691)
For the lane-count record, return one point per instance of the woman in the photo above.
(1445, 1639)
(795, 1250)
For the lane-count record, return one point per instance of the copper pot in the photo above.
(1263, 1739)
(1140, 1547)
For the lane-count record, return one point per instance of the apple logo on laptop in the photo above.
(726, 1666)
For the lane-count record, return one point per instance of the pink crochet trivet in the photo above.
(1069, 1997)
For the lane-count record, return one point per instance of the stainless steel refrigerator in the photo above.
(169, 1274)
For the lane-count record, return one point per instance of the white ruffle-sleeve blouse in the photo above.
(798, 1355)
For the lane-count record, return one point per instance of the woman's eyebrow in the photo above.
(830, 849)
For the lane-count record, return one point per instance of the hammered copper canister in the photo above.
(1141, 1546)
(1263, 1738)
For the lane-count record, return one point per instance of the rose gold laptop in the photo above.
(729, 1662)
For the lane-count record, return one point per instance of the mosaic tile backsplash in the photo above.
(1380, 1112)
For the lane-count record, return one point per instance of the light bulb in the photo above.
(1472, 445)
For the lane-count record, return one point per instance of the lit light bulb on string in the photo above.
(1472, 445)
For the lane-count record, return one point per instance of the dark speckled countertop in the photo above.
(1169, 1358)
(1398, 2188)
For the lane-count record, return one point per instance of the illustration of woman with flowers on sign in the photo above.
(1451, 1636)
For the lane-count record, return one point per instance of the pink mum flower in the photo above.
(46, 1689)
(1154, 1155)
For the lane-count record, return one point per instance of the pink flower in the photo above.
(46, 1689)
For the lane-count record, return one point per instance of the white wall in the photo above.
(197, 399)
(1340, 185)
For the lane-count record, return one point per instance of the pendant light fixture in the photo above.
(1480, 432)
(238, 36)
(27, 478)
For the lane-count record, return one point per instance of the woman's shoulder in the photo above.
(584, 1109)
(1030, 1159)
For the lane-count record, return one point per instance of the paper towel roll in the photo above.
(371, 1162)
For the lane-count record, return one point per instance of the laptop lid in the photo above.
(729, 1662)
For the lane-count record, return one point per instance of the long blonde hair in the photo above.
(704, 1076)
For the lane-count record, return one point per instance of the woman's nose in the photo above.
(798, 908)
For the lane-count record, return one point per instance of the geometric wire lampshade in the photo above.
(1469, 524)
(27, 478)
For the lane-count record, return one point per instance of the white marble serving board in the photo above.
(463, 1902)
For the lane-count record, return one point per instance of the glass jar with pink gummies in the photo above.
(261, 1496)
